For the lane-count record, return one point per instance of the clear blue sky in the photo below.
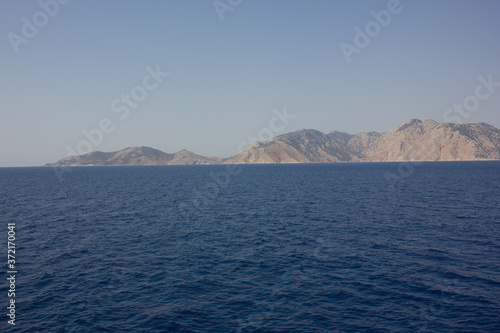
(226, 77)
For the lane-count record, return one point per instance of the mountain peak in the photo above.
(409, 123)
(416, 124)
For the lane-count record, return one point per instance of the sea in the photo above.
(340, 247)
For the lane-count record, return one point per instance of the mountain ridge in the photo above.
(414, 140)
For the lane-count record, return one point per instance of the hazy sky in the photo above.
(64, 70)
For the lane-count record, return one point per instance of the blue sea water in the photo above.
(364, 247)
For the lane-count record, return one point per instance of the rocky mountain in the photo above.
(136, 156)
(428, 140)
(414, 140)
(303, 146)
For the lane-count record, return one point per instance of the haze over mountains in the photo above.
(414, 140)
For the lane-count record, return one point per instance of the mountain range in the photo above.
(414, 140)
